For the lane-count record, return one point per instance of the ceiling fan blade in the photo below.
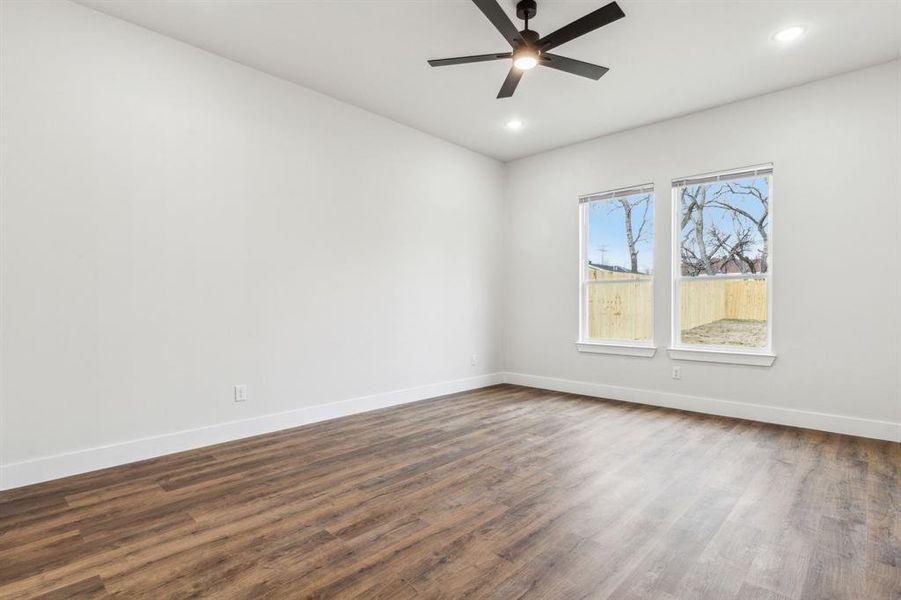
(593, 20)
(498, 18)
(571, 65)
(510, 83)
(462, 60)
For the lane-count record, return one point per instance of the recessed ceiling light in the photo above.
(514, 124)
(789, 34)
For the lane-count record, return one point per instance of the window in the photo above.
(723, 263)
(617, 256)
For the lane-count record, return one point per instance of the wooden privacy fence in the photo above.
(705, 301)
(623, 311)
(602, 274)
(620, 311)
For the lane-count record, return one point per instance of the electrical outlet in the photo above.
(240, 393)
(677, 372)
(473, 360)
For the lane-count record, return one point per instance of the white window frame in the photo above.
(761, 357)
(645, 348)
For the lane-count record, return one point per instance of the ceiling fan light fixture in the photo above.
(525, 59)
(514, 124)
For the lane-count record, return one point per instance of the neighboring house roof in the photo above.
(732, 266)
(613, 268)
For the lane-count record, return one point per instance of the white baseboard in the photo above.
(82, 461)
(870, 428)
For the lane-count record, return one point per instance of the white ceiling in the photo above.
(666, 58)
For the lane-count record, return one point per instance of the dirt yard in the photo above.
(728, 332)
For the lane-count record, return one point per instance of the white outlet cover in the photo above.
(240, 393)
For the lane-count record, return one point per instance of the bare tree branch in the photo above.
(706, 248)
(760, 223)
(633, 237)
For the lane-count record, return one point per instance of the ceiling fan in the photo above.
(529, 50)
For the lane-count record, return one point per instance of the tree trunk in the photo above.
(764, 254)
(697, 218)
(630, 236)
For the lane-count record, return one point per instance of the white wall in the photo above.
(174, 223)
(836, 146)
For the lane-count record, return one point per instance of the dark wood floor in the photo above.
(505, 492)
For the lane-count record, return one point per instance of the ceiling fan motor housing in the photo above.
(530, 37)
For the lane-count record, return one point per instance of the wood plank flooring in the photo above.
(505, 492)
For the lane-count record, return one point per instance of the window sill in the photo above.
(756, 359)
(645, 351)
